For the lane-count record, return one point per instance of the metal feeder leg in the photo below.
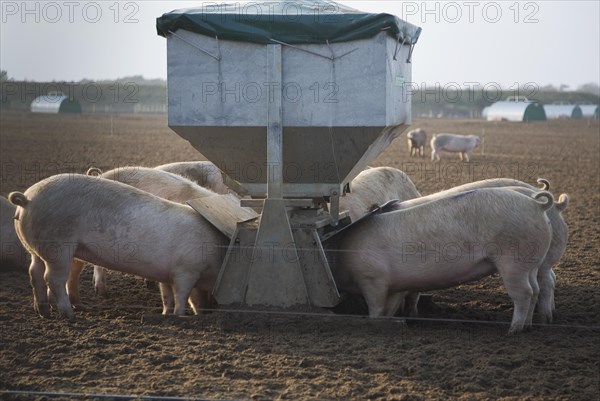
(275, 275)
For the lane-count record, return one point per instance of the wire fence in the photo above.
(326, 314)
(18, 394)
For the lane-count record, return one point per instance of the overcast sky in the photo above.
(504, 42)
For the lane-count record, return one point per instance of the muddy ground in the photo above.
(122, 346)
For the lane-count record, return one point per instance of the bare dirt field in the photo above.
(123, 346)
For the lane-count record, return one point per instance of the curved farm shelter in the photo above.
(55, 103)
(511, 110)
(484, 112)
(556, 111)
(591, 111)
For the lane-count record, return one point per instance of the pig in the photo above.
(12, 252)
(204, 173)
(371, 188)
(158, 182)
(417, 139)
(161, 183)
(483, 231)
(70, 216)
(558, 244)
(462, 144)
(375, 186)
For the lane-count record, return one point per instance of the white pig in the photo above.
(158, 182)
(375, 186)
(203, 173)
(161, 183)
(12, 252)
(462, 144)
(90, 218)
(558, 244)
(466, 237)
(417, 139)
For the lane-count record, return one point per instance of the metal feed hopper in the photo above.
(291, 99)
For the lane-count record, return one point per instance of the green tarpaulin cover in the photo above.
(293, 22)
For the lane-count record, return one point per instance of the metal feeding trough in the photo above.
(290, 99)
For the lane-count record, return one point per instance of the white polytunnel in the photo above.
(484, 112)
(590, 111)
(562, 111)
(516, 109)
(54, 103)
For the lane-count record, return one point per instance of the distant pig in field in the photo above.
(462, 144)
(417, 139)
(12, 252)
(70, 216)
(203, 173)
(464, 238)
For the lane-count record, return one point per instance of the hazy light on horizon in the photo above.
(508, 43)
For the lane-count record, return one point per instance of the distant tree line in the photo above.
(137, 94)
(119, 96)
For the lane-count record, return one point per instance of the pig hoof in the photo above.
(514, 331)
(43, 309)
(70, 316)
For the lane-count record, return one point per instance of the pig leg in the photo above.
(375, 293)
(546, 297)
(394, 303)
(461, 156)
(434, 155)
(547, 280)
(38, 284)
(73, 281)
(168, 301)
(533, 282)
(199, 300)
(411, 305)
(421, 150)
(182, 288)
(57, 274)
(519, 289)
(468, 155)
(100, 281)
(553, 275)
